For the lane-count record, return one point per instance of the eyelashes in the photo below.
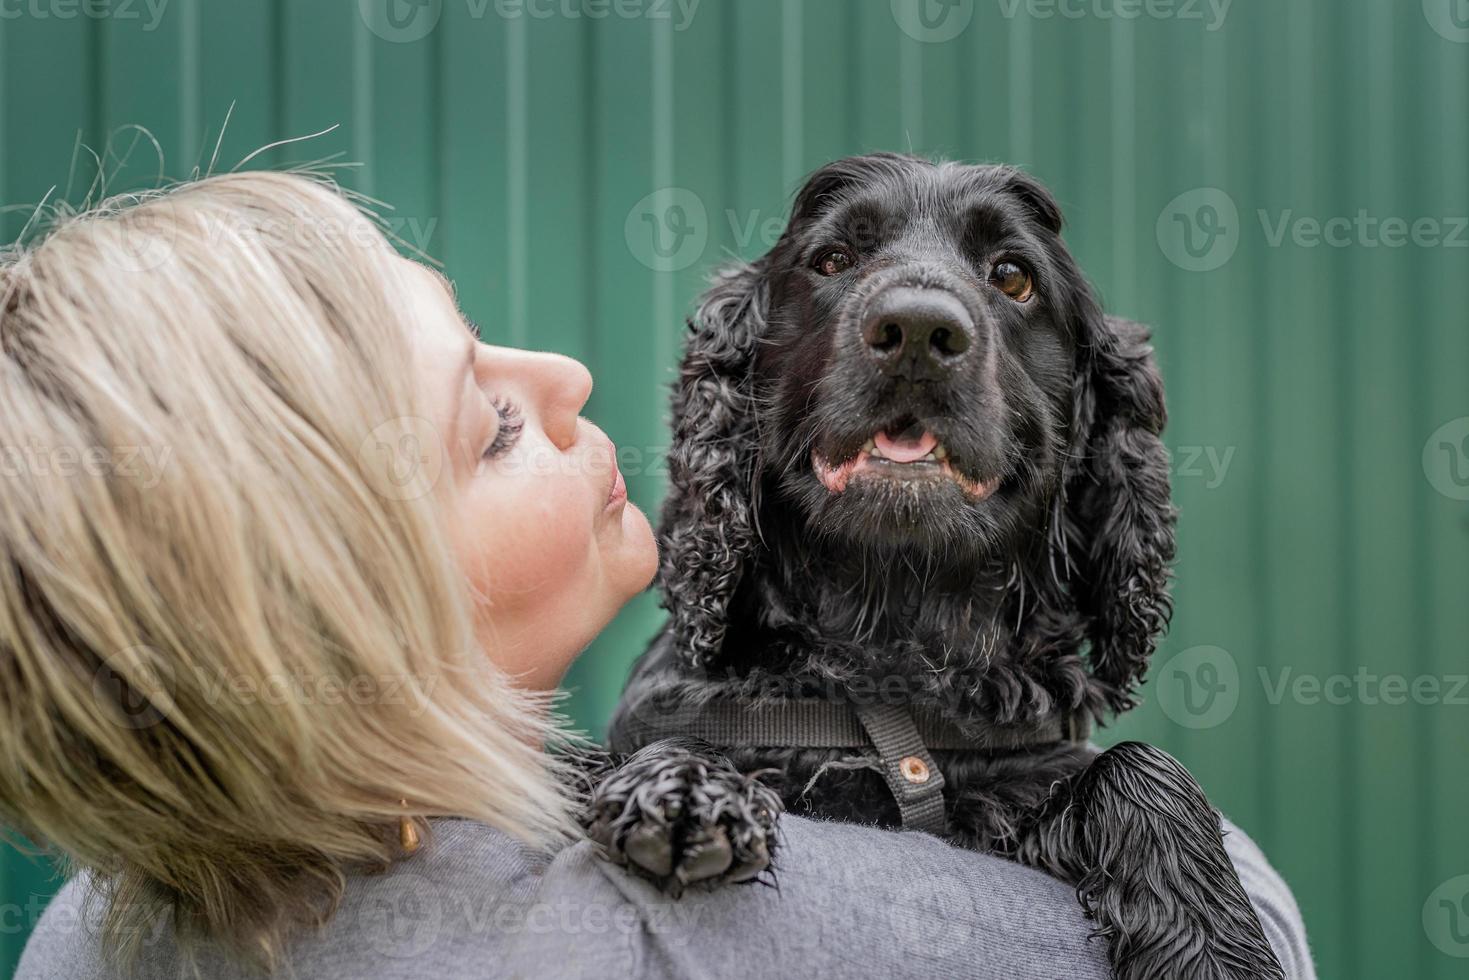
(511, 422)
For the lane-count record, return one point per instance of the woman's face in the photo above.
(536, 508)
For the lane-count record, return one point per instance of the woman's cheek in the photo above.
(535, 539)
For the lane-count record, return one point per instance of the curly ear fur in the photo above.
(707, 529)
(1119, 515)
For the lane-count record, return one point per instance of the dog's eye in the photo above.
(1013, 279)
(834, 262)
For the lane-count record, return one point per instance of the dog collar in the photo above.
(898, 738)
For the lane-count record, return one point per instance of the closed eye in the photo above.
(507, 433)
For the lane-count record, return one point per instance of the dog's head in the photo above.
(918, 367)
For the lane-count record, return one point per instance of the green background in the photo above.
(519, 144)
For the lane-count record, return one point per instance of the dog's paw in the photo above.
(679, 818)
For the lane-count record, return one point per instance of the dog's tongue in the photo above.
(901, 450)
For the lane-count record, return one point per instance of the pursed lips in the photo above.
(617, 491)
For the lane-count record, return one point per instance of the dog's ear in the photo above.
(1034, 195)
(707, 531)
(1118, 511)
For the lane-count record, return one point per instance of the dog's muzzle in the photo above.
(917, 333)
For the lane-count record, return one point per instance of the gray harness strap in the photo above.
(911, 774)
(901, 736)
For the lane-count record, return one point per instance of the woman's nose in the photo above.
(562, 386)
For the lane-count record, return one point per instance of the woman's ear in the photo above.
(1119, 516)
(707, 532)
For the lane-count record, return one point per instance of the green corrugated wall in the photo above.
(1319, 387)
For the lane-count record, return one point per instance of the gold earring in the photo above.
(407, 832)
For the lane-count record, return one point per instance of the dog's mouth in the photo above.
(907, 453)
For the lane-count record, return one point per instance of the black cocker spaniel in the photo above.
(917, 541)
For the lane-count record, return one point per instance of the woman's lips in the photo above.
(617, 493)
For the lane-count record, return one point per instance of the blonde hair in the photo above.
(228, 645)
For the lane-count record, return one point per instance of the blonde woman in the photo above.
(290, 563)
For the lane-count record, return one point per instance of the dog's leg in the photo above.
(679, 815)
(1136, 835)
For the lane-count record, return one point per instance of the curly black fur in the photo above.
(1046, 596)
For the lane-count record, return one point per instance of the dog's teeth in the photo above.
(939, 452)
(930, 458)
(869, 446)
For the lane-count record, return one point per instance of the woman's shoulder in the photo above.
(63, 945)
(850, 901)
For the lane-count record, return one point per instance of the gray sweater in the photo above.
(852, 902)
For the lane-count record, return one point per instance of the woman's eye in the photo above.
(508, 431)
(1013, 279)
(834, 262)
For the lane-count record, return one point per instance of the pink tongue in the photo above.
(903, 451)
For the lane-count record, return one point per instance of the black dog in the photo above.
(918, 539)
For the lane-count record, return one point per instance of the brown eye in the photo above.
(1013, 279)
(834, 262)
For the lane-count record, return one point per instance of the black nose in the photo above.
(917, 333)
